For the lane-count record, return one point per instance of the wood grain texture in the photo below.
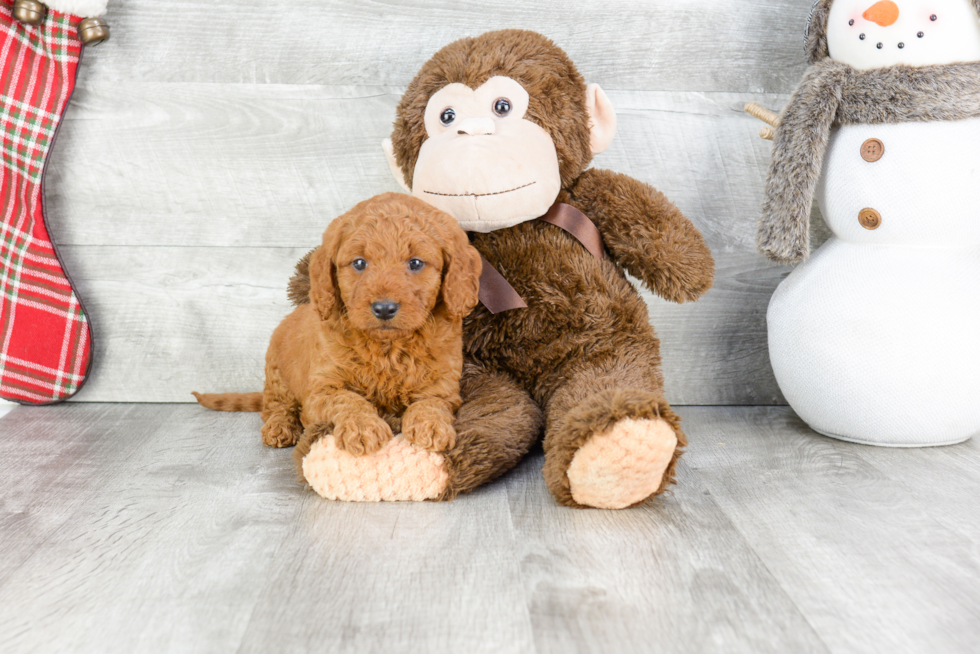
(268, 166)
(220, 196)
(696, 45)
(674, 576)
(171, 320)
(423, 577)
(218, 165)
(877, 547)
(207, 146)
(169, 528)
(150, 513)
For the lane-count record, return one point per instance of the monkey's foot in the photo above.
(623, 465)
(398, 472)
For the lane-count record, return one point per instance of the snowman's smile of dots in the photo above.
(875, 33)
(885, 14)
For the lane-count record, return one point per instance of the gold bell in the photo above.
(30, 12)
(93, 31)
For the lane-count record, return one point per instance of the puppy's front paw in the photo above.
(280, 432)
(362, 434)
(429, 428)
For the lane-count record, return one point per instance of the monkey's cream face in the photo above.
(483, 162)
(868, 34)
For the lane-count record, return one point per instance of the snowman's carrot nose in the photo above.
(884, 13)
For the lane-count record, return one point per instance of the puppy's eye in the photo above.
(501, 106)
(359, 264)
(415, 265)
(447, 116)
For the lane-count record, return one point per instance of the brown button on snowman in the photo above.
(872, 150)
(874, 338)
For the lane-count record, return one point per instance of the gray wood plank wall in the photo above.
(208, 146)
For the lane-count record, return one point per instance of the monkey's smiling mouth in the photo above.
(478, 195)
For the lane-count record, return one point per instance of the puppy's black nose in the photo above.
(384, 309)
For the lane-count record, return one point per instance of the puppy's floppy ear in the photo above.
(324, 294)
(460, 273)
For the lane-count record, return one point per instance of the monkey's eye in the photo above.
(501, 106)
(447, 116)
(415, 265)
(359, 265)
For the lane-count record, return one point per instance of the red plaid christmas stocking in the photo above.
(45, 340)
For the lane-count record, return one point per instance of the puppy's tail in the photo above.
(230, 401)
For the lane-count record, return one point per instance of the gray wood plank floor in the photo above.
(167, 528)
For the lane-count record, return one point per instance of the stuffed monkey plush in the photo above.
(874, 338)
(498, 131)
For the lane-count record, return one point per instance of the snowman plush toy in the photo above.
(875, 338)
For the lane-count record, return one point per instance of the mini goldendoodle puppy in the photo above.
(379, 347)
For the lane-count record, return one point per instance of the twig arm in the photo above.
(769, 117)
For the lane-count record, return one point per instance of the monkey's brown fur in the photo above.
(583, 350)
(332, 367)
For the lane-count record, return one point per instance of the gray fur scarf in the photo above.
(834, 94)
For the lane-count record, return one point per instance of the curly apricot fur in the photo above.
(334, 367)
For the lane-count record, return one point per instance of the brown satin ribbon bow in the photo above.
(497, 295)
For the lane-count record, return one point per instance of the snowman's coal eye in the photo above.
(447, 116)
(501, 106)
(934, 18)
(851, 22)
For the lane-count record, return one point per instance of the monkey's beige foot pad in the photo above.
(622, 466)
(398, 472)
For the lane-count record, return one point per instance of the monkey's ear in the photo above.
(396, 170)
(602, 118)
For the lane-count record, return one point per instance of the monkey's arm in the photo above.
(646, 234)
